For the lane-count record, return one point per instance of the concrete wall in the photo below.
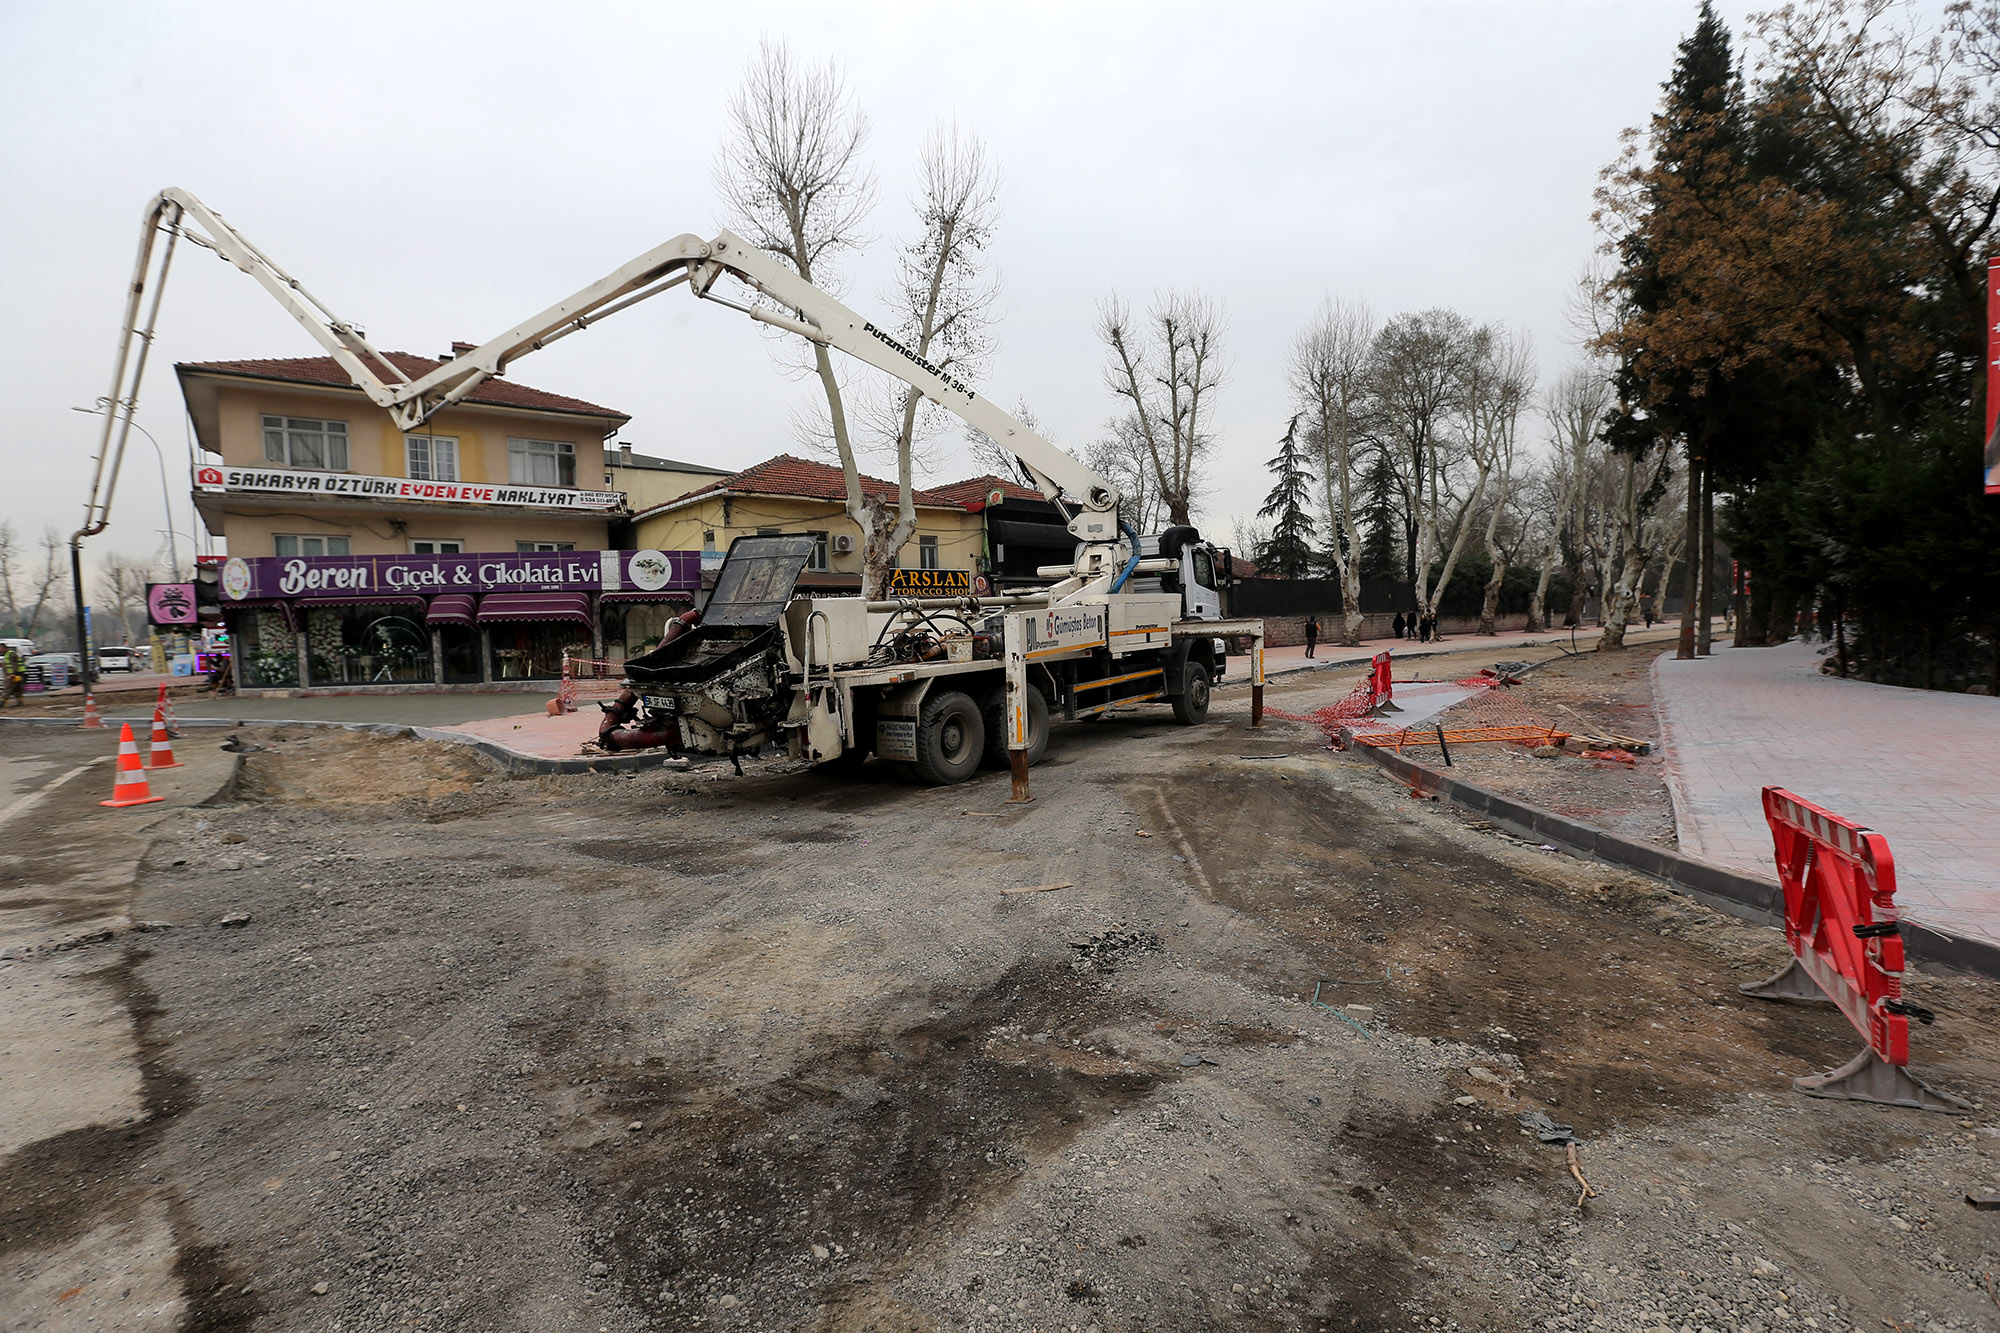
(1285, 631)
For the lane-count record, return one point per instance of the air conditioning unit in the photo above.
(843, 543)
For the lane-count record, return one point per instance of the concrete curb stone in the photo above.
(1749, 897)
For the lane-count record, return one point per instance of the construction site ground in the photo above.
(1589, 694)
(381, 1038)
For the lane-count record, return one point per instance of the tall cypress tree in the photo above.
(1698, 152)
(1288, 553)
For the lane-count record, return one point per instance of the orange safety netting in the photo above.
(589, 678)
(1492, 714)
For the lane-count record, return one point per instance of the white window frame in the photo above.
(820, 561)
(300, 540)
(430, 457)
(438, 545)
(542, 548)
(521, 452)
(284, 442)
(927, 553)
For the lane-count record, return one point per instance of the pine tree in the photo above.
(1288, 552)
(1381, 522)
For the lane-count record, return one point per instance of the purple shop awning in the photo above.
(451, 608)
(534, 606)
(378, 599)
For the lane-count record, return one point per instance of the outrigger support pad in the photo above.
(1870, 1078)
(1790, 982)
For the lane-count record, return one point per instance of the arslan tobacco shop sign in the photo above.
(291, 481)
(259, 577)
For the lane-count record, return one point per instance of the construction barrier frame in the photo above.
(1839, 880)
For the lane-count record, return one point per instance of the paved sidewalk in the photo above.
(1920, 767)
(1293, 657)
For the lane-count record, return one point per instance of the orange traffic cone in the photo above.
(160, 754)
(166, 704)
(90, 717)
(131, 788)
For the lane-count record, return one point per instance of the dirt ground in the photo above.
(777, 1052)
(1594, 693)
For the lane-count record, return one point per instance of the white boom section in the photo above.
(686, 259)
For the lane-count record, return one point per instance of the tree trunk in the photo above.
(1350, 602)
(1489, 610)
(1705, 555)
(1538, 605)
(1620, 606)
(1686, 649)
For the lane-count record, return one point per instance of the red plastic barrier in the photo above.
(1840, 919)
(1838, 877)
(1380, 685)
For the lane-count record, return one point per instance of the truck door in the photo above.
(1200, 599)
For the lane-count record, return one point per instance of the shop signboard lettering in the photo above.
(930, 582)
(260, 577)
(293, 481)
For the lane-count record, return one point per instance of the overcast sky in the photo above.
(442, 171)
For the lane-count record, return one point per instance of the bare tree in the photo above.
(791, 175)
(10, 575)
(1166, 373)
(942, 301)
(1419, 366)
(1330, 379)
(1122, 458)
(1632, 526)
(1575, 408)
(35, 586)
(990, 457)
(121, 592)
(1499, 394)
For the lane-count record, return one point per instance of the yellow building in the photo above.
(787, 494)
(472, 552)
(647, 481)
(306, 465)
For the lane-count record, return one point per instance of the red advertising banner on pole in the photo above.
(1993, 376)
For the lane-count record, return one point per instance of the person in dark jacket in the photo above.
(1397, 624)
(1312, 635)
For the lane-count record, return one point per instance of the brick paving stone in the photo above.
(1920, 767)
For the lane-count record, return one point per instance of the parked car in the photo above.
(55, 670)
(117, 658)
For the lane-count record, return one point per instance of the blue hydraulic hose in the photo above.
(1126, 572)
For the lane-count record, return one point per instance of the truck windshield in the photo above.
(757, 578)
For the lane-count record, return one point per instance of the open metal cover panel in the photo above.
(757, 577)
(739, 623)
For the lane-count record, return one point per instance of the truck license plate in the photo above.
(659, 703)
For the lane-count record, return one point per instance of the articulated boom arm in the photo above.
(686, 259)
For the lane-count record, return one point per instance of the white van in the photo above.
(116, 658)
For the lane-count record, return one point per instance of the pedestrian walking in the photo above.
(1414, 618)
(15, 673)
(1397, 624)
(1312, 635)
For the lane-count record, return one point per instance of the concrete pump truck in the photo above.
(936, 685)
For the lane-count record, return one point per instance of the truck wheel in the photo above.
(994, 714)
(1191, 704)
(950, 739)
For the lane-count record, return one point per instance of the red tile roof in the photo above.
(972, 492)
(325, 370)
(804, 477)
